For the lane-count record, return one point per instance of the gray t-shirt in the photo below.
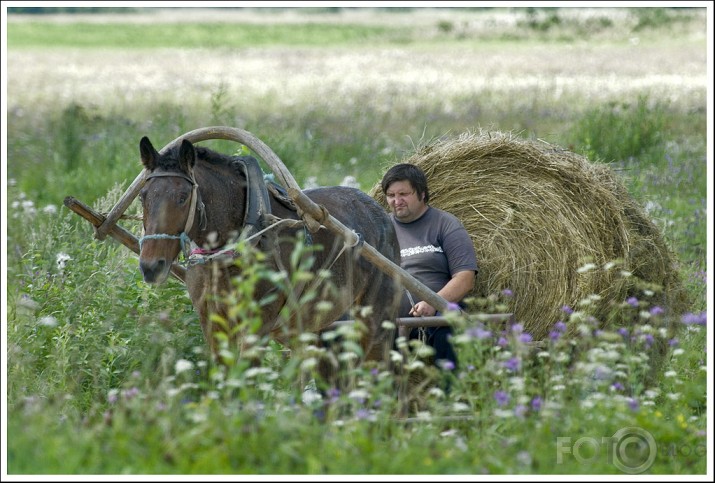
(433, 248)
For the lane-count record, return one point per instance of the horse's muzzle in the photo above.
(155, 271)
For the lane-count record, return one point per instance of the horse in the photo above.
(201, 202)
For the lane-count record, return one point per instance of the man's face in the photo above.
(404, 201)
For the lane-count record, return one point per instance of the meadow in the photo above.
(106, 375)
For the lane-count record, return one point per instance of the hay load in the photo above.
(545, 222)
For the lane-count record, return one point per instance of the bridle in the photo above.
(183, 237)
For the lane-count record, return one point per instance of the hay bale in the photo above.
(537, 215)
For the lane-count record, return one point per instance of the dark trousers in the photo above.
(438, 339)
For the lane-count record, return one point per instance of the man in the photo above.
(435, 249)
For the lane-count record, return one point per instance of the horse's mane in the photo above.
(170, 160)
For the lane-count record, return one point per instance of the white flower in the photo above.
(62, 259)
(50, 210)
(182, 365)
(586, 268)
(47, 321)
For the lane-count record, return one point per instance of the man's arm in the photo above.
(456, 289)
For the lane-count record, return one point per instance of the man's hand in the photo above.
(422, 309)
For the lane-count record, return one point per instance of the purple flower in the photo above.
(656, 310)
(507, 293)
(632, 301)
(560, 326)
(633, 404)
(447, 365)
(536, 403)
(513, 364)
(501, 398)
(333, 394)
(694, 319)
(623, 332)
(502, 342)
(673, 342)
(648, 340)
(567, 310)
(554, 335)
(617, 386)
(453, 306)
(517, 329)
(520, 411)
(525, 338)
(362, 413)
(479, 333)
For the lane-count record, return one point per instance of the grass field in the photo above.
(108, 376)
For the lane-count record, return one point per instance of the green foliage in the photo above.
(619, 131)
(193, 35)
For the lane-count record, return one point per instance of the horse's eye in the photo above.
(182, 199)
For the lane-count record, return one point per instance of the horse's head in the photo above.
(169, 201)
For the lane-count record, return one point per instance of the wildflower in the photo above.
(586, 268)
(648, 338)
(623, 332)
(525, 338)
(694, 319)
(536, 404)
(183, 365)
(479, 333)
(617, 386)
(447, 365)
(113, 396)
(520, 410)
(502, 342)
(633, 404)
(362, 414)
(50, 210)
(47, 321)
(501, 398)
(567, 310)
(453, 306)
(507, 293)
(333, 394)
(656, 310)
(632, 301)
(673, 342)
(513, 364)
(61, 260)
(681, 421)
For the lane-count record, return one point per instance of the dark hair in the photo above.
(407, 172)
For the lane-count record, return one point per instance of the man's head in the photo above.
(405, 189)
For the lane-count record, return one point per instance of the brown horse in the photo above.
(196, 197)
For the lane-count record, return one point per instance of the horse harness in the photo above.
(258, 218)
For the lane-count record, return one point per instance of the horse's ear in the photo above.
(187, 156)
(148, 153)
